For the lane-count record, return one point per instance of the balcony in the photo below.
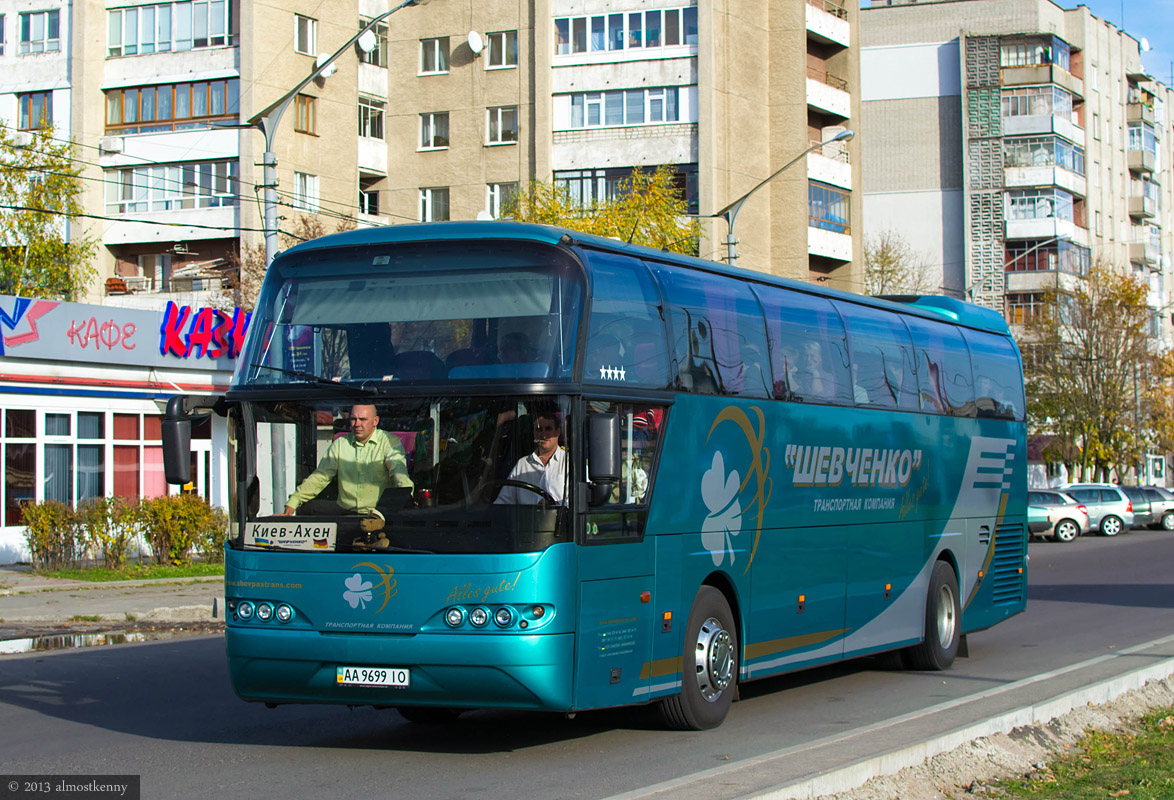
(1146, 252)
(1040, 74)
(1026, 177)
(1139, 160)
(372, 156)
(829, 164)
(1139, 112)
(829, 244)
(1045, 228)
(1142, 207)
(1038, 124)
(828, 94)
(827, 22)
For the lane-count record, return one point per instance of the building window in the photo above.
(36, 111)
(1142, 137)
(1043, 151)
(40, 32)
(165, 27)
(1038, 101)
(172, 106)
(588, 186)
(434, 204)
(370, 118)
(306, 114)
(305, 35)
(3, 28)
(305, 192)
(503, 125)
(434, 131)
(1048, 202)
(378, 55)
(368, 196)
(620, 108)
(1024, 307)
(434, 56)
(500, 197)
(643, 29)
(1034, 255)
(171, 187)
(503, 50)
(829, 208)
(1034, 51)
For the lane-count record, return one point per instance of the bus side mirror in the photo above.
(177, 450)
(603, 448)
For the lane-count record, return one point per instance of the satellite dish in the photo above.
(322, 59)
(367, 41)
(1145, 45)
(476, 44)
(484, 215)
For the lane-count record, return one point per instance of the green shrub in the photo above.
(173, 523)
(100, 520)
(210, 540)
(51, 535)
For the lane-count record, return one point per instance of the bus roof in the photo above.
(932, 306)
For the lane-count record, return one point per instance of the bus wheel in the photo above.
(709, 667)
(943, 615)
(429, 715)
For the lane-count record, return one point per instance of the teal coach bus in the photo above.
(752, 476)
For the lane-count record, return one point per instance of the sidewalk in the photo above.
(32, 605)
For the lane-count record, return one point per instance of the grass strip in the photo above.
(134, 572)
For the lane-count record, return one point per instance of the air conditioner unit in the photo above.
(22, 139)
(109, 145)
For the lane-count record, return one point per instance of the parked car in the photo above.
(1067, 518)
(1143, 513)
(1038, 520)
(1109, 510)
(1162, 501)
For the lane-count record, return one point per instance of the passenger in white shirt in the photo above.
(545, 468)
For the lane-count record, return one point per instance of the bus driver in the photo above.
(365, 461)
(545, 468)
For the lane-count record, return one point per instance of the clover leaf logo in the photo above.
(358, 591)
(719, 491)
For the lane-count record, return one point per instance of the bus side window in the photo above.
(719, 334)
(882, 358)
(943, 368)
(808, 348)
(998, 379)
(626, 341)
(640, 427)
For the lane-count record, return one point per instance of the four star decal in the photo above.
(611, 373)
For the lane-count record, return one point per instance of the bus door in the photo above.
(616, 572)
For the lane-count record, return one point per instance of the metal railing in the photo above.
(827, 79)
(833, 8)
(836, 151)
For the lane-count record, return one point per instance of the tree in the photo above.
(43, 252)
(1087, 370)
(892, 266)
(648, 209)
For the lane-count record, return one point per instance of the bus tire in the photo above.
(943, 616)
(709, 666)
(429, 715)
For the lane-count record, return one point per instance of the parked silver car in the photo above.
(1068, 518)
(1162, 502)
(1109, 510)
(1143, 512)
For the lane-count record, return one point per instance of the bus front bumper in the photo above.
(446, 669)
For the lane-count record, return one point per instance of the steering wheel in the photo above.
(538, 490)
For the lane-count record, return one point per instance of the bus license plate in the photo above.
(373, 676)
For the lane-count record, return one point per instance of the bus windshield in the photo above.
(431, 474)
(430, 312)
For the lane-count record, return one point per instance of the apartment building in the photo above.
(1013, 143)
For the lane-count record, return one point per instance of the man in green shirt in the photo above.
(366, 461)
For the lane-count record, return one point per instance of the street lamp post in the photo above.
(730, 212)
(268, 119)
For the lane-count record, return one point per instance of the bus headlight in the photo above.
(265, 612)
(244, 610)
(503, 617)
(454, 616)
(284, 613)
(478, 617)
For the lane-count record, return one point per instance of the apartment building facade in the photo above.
(1013, 143)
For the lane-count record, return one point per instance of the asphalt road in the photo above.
(165, 710)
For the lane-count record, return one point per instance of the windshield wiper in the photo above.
(318, 379)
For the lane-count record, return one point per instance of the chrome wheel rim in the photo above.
(1066, 531)
(946, 619)
(714, 659)
(1112, 526)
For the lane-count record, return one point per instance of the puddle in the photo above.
(68, 641)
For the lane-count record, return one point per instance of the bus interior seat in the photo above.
(408, 440)
(416, 365)
(465, 357)
(369, 349)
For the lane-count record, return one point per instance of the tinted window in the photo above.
(626, 341)
(1111, 496)
(998, 378)
(808, 348)
(882, 358)
(943, 368)
(1084, 495)
(720, 338)
(1050, 498)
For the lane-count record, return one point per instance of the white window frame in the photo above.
(305, 35)
(622, 32)
(496, 194)
(38, 40)
(496, 132)
(171, 187)
(428, 197)
(2, 33)
(305, 192)
(593, 107)
(499, 46)
(428, 136)
(166, 27)
(378, 55)
(439, 50)
(371, 118)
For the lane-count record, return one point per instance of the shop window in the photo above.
(126, 427)
(20, 423)
(20, 467)
(57, 424)
(126, 471)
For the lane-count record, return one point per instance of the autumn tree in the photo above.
(648, 208)
(44, 251)
(1088, 369)
(892, 266)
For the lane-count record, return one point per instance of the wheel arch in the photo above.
(723, 583)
